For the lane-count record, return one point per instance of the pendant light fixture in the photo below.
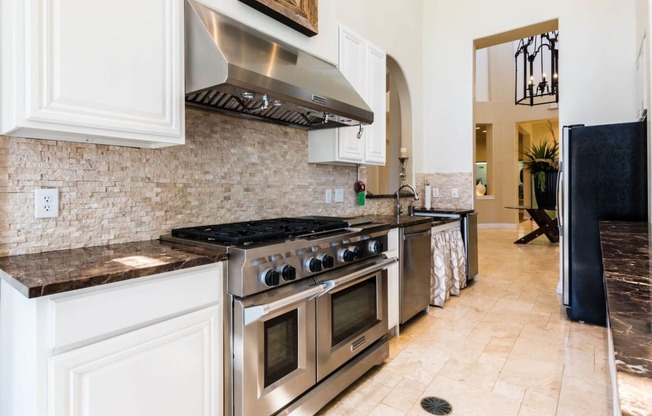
(537, 70)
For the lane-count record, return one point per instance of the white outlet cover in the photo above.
(455, 193)
(435, 192)
(328, 196)
(339, 195)
(46, 203)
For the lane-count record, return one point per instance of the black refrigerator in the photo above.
(603, 177)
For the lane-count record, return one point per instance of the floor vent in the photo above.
(436, 406)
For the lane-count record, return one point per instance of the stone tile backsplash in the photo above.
(445, 182)
(230, 169)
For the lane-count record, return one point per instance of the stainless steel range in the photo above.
(308, 299)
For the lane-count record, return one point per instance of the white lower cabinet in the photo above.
(166, 369)
(146, 346)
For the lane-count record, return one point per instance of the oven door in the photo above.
(273, 348)
(352, 313)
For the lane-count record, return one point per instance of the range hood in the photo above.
(235, 69)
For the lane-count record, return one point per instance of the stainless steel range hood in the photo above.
(235, 69)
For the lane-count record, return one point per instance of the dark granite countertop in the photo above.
(406, 220)
(51, 272)
(443, 210)
(626, 256)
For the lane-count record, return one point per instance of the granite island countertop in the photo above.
(51, 272)
(626, 257)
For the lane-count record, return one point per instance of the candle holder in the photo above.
(403, 161)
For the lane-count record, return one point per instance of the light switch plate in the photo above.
(455, 193)
(328, 196)
(339, 195)
(46, 203)
(435, 192)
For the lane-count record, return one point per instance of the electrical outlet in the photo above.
(339, 195)
(455, 193)
(435, 192)
(46, 203)
(329, 196)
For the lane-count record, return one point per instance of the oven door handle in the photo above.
(331, 284)
(254, 313)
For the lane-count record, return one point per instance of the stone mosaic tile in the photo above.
(230, 169)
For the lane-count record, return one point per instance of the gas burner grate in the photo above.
(250, 232)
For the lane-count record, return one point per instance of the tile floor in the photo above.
(503, 347)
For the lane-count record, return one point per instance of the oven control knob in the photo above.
(288, 272)
(313, 265)
(357, 252)
(270, 277)
(327, 261)
(375, 247)
(345, 255)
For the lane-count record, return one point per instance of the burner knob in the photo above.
(345, 255)
(270, 277)
(375, 247)
(288, 272)
(327, 261)
(313, 265)
(357, 252)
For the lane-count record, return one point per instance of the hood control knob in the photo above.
(313, 265)
(269, 277)
(357, 252)
(327, 261)
(288, 272)
(345, 255)
(375, 247)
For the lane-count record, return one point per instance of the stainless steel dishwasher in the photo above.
(416, 261)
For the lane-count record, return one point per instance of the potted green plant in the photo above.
(542, 162)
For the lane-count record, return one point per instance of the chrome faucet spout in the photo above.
(399, 208)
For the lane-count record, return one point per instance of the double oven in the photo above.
(308, 317)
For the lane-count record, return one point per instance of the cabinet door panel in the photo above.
(353, 64)
(375, 146)
(167, 369)
(97, 70)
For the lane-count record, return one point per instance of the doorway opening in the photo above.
(512, 128)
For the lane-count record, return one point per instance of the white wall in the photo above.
(597, 73)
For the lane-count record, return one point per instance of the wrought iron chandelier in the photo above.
(537, 70)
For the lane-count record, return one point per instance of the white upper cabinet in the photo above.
(109, 72)
(364, 66)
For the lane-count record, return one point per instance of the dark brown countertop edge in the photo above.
(626, 253)
(51, 272)
(458, 211)
(392, 221)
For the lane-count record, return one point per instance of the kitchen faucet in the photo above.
(399, 208)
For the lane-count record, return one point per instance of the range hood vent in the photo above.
(235, 69)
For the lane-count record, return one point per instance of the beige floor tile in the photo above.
(481, 373)
(404, 395)
(384, 410)
(367, 396)
(503, 347)
(537, 404)
(468, 400)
